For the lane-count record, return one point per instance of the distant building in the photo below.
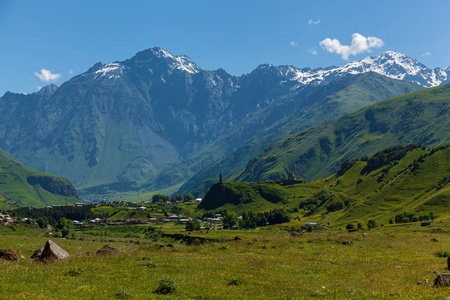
(290, 181)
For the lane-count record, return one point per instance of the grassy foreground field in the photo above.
(387, 263)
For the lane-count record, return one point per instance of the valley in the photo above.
(237, 150)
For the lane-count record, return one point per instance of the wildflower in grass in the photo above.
(148, 264)
(74, 272)
(123, 294)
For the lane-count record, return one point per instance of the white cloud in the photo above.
(426, 54)
(312, 22)
(293, 44)
(70, 71)
(359, 45)
(47, 76)
(313, 51)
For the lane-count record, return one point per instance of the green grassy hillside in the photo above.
(410, 180)
(20, 185)
(420, 117)
(338, 98)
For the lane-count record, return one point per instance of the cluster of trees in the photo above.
(359, 225)
(45, 216)
(337, 206)
(315, 201)
(177, 197)
(409, 217)
(252, 220)
(387, 156)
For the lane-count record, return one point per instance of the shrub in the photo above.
(350, 226)
(234, 281)
(442, 253)
(166, 286)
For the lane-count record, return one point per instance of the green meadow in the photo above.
(270, 263)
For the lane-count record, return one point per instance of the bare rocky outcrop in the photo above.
(37, 253)
(53, 252)
(54, 185)
(10, 254)
(107, 250)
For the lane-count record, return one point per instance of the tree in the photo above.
(371, 224)
(192, 224)
(64, 223)
(42, 222)
(189, 197)
(350, 226)
(178, 197)
(230, 219)
(160, 198)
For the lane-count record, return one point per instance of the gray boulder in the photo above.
(37, 253)
(53, 252)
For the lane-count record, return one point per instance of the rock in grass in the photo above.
(37, 254)
(53, 252)
(107, 250)
(442, 279)
(10, 254)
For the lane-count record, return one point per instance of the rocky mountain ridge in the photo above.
(131, 120)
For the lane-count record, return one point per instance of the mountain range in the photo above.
(157, 119)
(420, 117)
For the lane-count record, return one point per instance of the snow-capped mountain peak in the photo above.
(179, 62)
(391, 64)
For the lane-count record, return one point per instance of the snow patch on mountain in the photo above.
(111, 71)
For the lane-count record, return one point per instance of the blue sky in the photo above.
(67, 37)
